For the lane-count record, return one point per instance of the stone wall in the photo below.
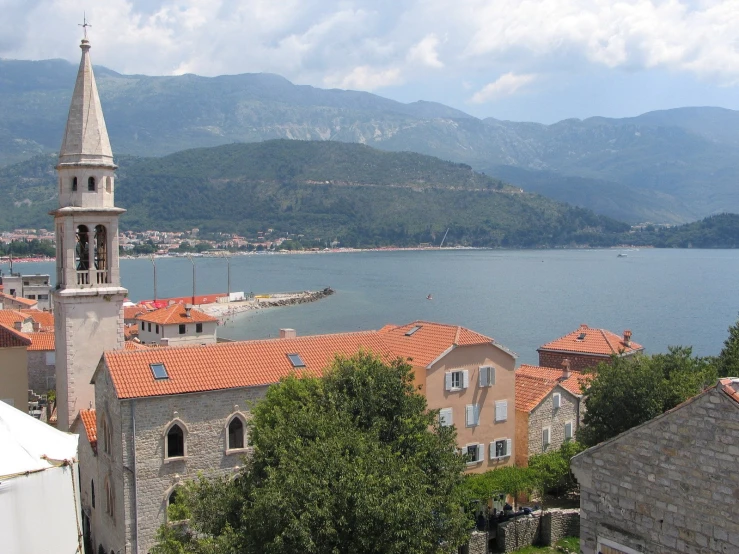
(578, 362)
(546, 415)
(670, 485)
(41, 377)
(543, 529)
(518, 532)
(478, 543)
(557, 524)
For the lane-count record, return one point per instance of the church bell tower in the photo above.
(88, 298)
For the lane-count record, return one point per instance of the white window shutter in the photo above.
(568, 430)
(491, 378)
(501, 410)
(448, 380)
(445, 417)
(509, 447)
(492, 450)
(477, 414)
(483, 376)
(480, 452)
(557, 399)
(470, 415)
(465, 379)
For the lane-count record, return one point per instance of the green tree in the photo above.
(353, 462)
(630, 391)
(553, 468)
(728, 360)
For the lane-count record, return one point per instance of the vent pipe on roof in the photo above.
(288, 333)
(627, 337)
(566, 370)
(188, 307)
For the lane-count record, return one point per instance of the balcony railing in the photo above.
(102, 276)
(96, 276)
(83, 277)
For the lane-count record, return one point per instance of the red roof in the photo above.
(730, 386)
(429, 340)
(599, 342)
(10, 338)
(572, 384)
(530, 391)
(130, 312)
(134, 345)
(19, 299)
(263, 362)
(10, 317)
(91, 427)
(175, 314)
(45, 319)
(43, 340)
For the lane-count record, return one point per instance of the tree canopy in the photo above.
(632, 390)
(350, 463)
(728, 360)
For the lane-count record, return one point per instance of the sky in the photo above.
(520, 60)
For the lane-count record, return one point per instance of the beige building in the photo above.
(166, 414)
(548, 409)
(13, 368)
(88, 298)
(669, 485)
(177, 325)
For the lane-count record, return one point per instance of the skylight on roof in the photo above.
(412, 330)
(159, 371)
(296, 360)
(581, 336)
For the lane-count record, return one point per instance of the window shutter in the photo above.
(557, 399)
(568, 430)
(477, 414)
(509, 447)
(465, 379)
(483, 376)
(545, 437)
(501, 410)
(448, 380)
(492, 450)
(491, 377)
(445, 417)
(480, 452)
(471, 413)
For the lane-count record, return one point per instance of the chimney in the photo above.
(288, 333)
(566, 368)
(188, 307)
(627, 337)
(36, 326)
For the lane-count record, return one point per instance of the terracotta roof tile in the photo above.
(571, 384)
(530, 391)
(730, 386)
(175, 314)
(45, 319)
(43, 340)
(429, 341)
(131, 312)
(10, 338)
(134, 345)
(91, 427)
(231, 364)
(130, 331)
(9, 317)
(19, 300)
(599, 342)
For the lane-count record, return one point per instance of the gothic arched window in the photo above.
(175, 442)
(235, 433)
(91, 184)
(74, 184)
(108, 184)
(82, 250)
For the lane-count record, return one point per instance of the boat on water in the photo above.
(622, 255)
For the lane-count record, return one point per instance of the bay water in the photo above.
(521, 298)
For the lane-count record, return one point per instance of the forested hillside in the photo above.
(325, 190)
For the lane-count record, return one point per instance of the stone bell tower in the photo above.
(88, 298)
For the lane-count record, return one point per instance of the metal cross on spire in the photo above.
(84, 23)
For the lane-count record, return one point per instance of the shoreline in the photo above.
(225, 311)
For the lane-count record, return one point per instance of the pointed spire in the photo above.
(86, 138)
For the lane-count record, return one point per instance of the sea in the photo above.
(521, 298)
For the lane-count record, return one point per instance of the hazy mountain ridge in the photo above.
(671, 165)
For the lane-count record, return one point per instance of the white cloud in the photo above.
(425, 52)
(504, 85)
(365, 78)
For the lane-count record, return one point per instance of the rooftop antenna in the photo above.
(84, 24)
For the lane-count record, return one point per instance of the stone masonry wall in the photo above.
(518, 532)
(478, 543)
(545, 415)
(578, 362)
(669, 486)
(41, 377)
(557, 524)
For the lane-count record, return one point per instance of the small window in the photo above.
(557, 400)
(183, 328)
(159, 371)
(412, 330)
(198, 327)
(51, 357)
(91, 184)
(31, 297)
(74, 184)
(106, 436)
(568, 431)
(457, 380)
(296, 360)
(472, 415)
(445, 417)
(157, 329)
(175, 442)
(236, 433)
(473, 453)
(501, 410)
(92, 491)
(545, 438)
(581, 336)
(43, 296)
(487, 376)
(500, 448)
(149, 325)
(109, 499)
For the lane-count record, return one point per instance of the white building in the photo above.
(33, 287)
(177, 325)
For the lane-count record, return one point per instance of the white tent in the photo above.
(39, 493)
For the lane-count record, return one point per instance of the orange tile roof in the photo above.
(10, 338)
(130, 331)
(10, 317)
(43, 340)
(430, 341)
(19, 299)
(175, 314)
(45, 319)
(131, 312)
(572, 384)
(730, 386)
(231, 364)
(134, 345)
(91, 427)
(599, 342)
(530, 391)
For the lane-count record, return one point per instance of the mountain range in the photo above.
(666, 166)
